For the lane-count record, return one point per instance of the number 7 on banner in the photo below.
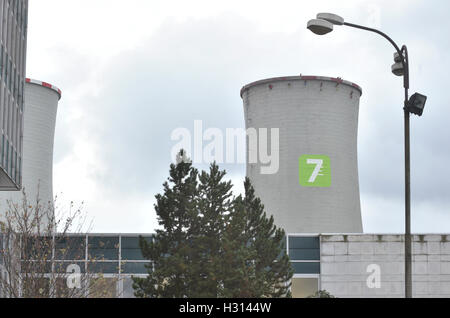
(315, 171)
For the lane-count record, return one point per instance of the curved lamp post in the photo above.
(323, 24)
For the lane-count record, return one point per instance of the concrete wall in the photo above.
(346, 261)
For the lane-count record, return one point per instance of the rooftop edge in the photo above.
(337, 80)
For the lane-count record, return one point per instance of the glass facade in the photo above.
(95, 253)
(118, 257)
(109, 260)
(13, 38)
(304, 253)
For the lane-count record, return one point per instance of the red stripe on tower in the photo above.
(309, 77)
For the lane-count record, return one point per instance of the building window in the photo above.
(13, 164)
(70, 248)
(11, 161)
(3, 150)
(20, 171)
(103, 288)
(303, 287)
(2, 52)
(6, 71)
(7, 157)
(304, 248)
(130, 248)
(103, 267)
(14, 85)
(304, 252)
(15, 79)
(103, 247)
(306, 267)
(134, 267)
(9, 77)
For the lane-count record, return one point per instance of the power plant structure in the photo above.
(13, 37)
(316, 188)
(313, 195)
(308, 182)
(41, 105)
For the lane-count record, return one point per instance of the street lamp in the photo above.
(323, 24)
(416, 104)
(320, 27)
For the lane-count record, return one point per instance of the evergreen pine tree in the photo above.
(212, 244)
(171, 250)
(258, 265)
(214, 204)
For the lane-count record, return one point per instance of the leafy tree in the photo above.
(35, 238)
(212, 244)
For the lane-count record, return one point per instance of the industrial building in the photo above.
(13, 37)
(113, 257)
(345, 265)
(41, 104)
(316, 189)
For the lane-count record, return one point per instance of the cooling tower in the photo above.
(41, 103)
(316, 188)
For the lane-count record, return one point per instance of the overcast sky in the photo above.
(133, 71)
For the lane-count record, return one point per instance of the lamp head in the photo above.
(331, 17)
(416, 104)
(320, 27)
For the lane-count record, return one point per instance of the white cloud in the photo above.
(387, 215)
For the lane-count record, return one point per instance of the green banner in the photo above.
(315, 171)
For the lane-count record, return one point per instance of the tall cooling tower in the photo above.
(315, 189)
(41, 103)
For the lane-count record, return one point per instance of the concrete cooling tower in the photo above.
(316, 188)
(41, 103)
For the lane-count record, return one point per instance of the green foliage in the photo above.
(321, 294)
(212, 244)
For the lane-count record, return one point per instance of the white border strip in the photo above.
(44, 84)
